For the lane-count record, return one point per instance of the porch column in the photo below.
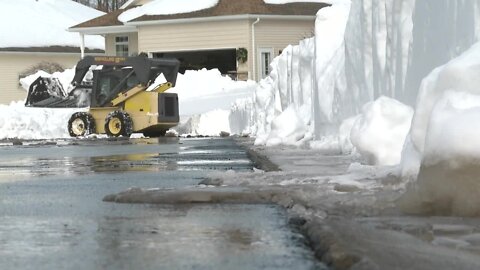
(82, 45)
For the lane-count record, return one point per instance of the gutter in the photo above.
(100, 30)
(222, 18)
(254, 51)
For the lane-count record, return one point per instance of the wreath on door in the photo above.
(242, 55)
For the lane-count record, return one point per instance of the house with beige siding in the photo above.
(240, 38)
(34, 34)
(15, 63)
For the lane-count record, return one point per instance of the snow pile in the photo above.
(201, 91)
(379, 132)
(20, 122)
(209, 103)
(288, 128)
(444, 135)
(43, 23)
(283, 101)
(166, 7)
(64, 77)
(211, 123)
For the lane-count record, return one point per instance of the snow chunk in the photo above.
(64, 77)
(444, 134)
(380, 131)
(47, 21)
(288, 128)
(166, 7)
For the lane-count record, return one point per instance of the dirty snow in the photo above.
(43, 23)
(444, 135)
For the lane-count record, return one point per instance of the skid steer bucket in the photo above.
(49, 93)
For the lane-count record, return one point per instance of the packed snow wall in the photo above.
(363, 50)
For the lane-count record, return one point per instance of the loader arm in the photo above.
(144, 69)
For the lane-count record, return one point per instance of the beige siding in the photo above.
(269, 33)
(132, 43)
(278, 34)
(194, 36)
(12, 64)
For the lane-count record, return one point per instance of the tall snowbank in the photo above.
(444, 134)
(279, 92)
(364, 50)
(43, 23)
(286, 94)
(379, 132)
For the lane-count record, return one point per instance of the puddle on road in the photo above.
(158, 237)
(139, 155)
(54, 218)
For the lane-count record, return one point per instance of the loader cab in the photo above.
(109, 82)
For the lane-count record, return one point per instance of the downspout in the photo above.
(82, 45)
(254, 51)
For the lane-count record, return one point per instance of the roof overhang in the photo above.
(100, 30)
(132, 27)
(223, 18)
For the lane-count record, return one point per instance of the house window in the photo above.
(266, 55)
(121, 45)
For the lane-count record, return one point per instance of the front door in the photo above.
(265, 58)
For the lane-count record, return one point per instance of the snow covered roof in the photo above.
(213, 8)
(43, 24)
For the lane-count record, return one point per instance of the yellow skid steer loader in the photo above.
(117, 97)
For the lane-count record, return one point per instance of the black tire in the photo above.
(152, 134)
(118, 123)
(81, 124)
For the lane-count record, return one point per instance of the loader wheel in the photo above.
(81, 124)
(118, 123)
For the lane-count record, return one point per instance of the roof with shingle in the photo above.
(223, 8)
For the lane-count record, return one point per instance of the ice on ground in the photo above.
(444, 134)
(166, 7)
(379, 132)
(43, 23)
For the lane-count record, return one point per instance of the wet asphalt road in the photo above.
(52, 215)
